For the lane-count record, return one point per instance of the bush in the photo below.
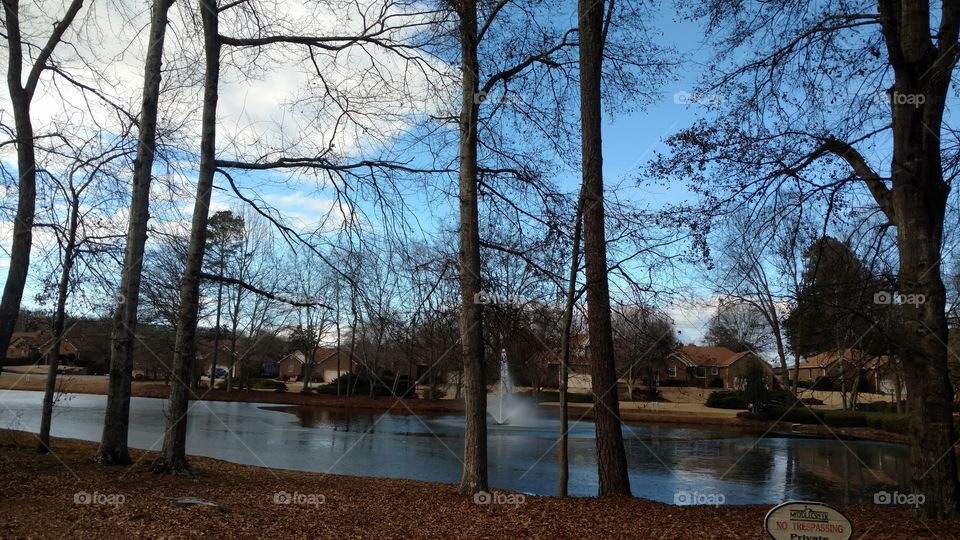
(266, 384)
(894, 423)
(811, 401)
(673, 383)
(360, 383)
(731, 399)
(716, 382)
(822, 383)
(647, 394)
(796, 415)
(843, 419)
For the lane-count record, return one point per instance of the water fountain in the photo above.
(504, 392)
(508, 408)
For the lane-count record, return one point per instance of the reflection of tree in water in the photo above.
(335, 419)
(715, 457)
(849, 472)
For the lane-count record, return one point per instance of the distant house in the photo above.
(878, 372)
(578, 366)
(28, 348)
(711, 367)
(292, 366)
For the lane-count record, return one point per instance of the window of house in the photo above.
(715, 371)
(289, 368)
(672, 371)
(700, 372)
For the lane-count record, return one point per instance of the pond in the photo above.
(668, 463)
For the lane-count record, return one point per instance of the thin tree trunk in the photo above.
(474, 478)
(216, 332)
(173, 456)
(113, 441)
(59, 325)
(611, 456)
(565, 351)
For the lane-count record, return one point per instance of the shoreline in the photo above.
(45, 496)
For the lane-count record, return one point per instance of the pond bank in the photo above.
(66, 494)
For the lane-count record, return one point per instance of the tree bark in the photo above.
(611, 456)
(173, 456)
(113, 441)
(21, 97)
(917, 206)
(563, 455)
(474, 477)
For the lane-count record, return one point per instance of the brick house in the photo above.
(710, 367)
(28, 348)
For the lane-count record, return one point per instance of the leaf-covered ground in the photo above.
(66, 495)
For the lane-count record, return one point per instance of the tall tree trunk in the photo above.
(611, 456)
(59, 324)
(474, 477)
(920, 212)
(563, 455)
(113, 440)
(173, 456)
(917, 206)
(21, 97)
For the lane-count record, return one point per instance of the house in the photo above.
(325, 369)
(877, 372)
(711, 367)
(28, 348)
(578, 365)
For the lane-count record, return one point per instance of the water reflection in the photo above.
(663, 459)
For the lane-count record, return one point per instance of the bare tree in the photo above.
(113, 441)
(21, 98)
(821, 141)
(86, 173)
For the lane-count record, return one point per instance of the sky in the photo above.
(252, 105)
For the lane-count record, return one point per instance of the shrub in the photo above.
(894, 423)
(822, 383)
(673, 383)
(811, 401)
(649, 393)
(845, 419)
(716, 382)
(360, 383)
(798, 414)
(731, 399)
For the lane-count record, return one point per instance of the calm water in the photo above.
(664, 460)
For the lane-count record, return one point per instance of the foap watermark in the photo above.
(692, 498)
(499, 98)
(899, 98)
(899, 499)
(100, 499)
(896, 298)
(300, 499)
(697, 98)
(488, 299)
(498, 497)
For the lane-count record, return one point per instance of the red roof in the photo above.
(709, 356)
